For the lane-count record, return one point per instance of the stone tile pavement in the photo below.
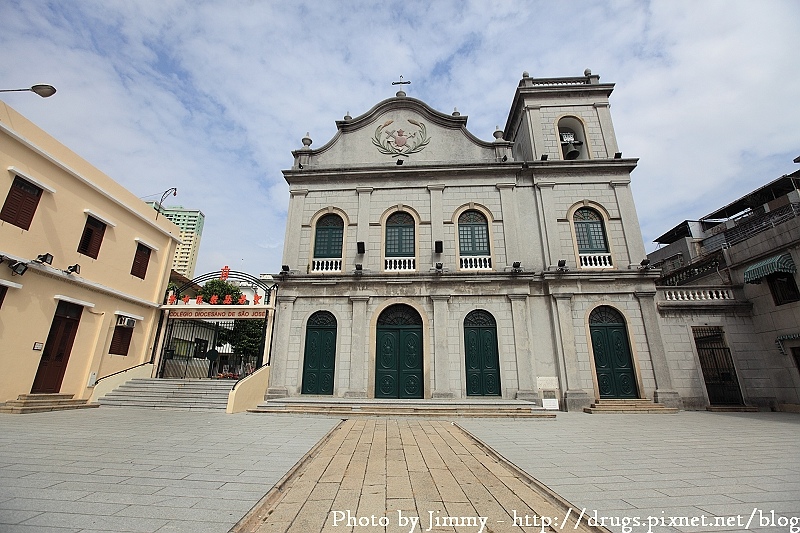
(688, 464)
(143, 470)
(105, 469)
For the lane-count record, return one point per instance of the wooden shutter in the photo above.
(121, 340)
(21, 203)
(140, 261)
(92, 237)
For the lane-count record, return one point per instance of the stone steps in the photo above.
(170, 394)
(41, 403)
(346, 407)
(731, 409)
(632, 406)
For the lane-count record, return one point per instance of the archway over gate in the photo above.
(398, 353)
(225, 336)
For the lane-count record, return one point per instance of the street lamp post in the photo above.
(173, 190)
(41, 89)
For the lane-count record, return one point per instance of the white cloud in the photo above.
(212, 96)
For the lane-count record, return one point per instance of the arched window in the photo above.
(473, 241)
(328, 244)
(590, 235)
(400, 250)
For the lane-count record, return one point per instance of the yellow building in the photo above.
(85, 265)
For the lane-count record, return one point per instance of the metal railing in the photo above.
(750, 226)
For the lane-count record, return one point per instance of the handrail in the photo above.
(98, 380)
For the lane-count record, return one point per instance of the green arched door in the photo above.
(319, 359)
(398, 354)
(616, 376)
(482, 360)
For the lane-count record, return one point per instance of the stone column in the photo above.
(548, 221)
(441, 353)
(294, 224)
(664, 393)
(526, 374)
(278, 388)
(535, 130)
(607, 127)
(362, 228)
(630, 222)
(359, 352)
(510, 220)
(437, 224)
(575, 398)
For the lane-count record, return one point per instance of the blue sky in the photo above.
(211, 96)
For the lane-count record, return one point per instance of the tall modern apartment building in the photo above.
(190, 221)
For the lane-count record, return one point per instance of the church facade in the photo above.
(423, 262)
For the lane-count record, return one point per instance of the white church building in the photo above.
(423, 262)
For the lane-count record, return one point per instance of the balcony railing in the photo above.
(595, 260)
(400, 264)
(326, 265)
(697, 294)
(747, 227)
(476, 262)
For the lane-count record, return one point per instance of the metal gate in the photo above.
(717, 365)
(217, 349)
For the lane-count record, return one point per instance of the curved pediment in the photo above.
(399, 128)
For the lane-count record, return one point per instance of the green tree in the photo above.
(246, 338)
(220, 289)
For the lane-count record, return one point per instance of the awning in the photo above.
(762, 269)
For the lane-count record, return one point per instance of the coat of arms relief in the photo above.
(399, 142)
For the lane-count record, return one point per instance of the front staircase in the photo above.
(643, 406)
(432, 408)
(209, 394)
(40, 403)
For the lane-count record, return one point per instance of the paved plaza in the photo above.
(142, 470)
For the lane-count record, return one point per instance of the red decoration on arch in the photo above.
(256, 299)
(228, 299)
(226, 270)
(214, 299)
(242, 299)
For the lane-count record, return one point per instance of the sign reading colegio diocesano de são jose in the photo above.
(218, 311)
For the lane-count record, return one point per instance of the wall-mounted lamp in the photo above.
(544, 157)
(74, 269)
(18, 268)
(361, 247)
(44, 258)
(438, 247)
(285, 268)
(562, 265)
(645, 264)
(516, 267)
(359, 269)
(439, 268)
(618, 155)
(399, 161)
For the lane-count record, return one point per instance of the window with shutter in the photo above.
(140, 261)
(400, 235)
(328, 237)
(121, 340)
(589, 231)
(21, 203)
(92, 237)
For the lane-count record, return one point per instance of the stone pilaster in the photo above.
(607, 127)
(575, 398)
(629, 222)
(278, 388)
(664, 393)
(526, 373)
(359, 354)
(547, 223)
(510, 220)
(362, 228)
(441, 353)
(294, 224)
(535, 130)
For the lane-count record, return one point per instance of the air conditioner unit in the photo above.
(126, 322)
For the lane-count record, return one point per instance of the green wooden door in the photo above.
(616, 377)
(398, 361)
(319, 360)
(482, 361)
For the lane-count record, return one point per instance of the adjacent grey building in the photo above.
(423, 262)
